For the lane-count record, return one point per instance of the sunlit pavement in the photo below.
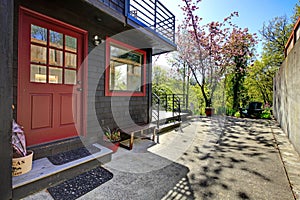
(211, 158)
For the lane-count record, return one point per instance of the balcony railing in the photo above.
(153, 14)
(146, 13)
(117, 5)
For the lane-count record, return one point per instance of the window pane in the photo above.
(38, 54)
(56, 39)
(125, 70)
(117, 52)
(126, 55)
(118, 76)
(71, 44)
(55, 75)
(71, 60)
(56, 57)
(38, 34)
(38, 73)
(134, 78)
(70, 77)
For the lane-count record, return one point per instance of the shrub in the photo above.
(230, 112)
(237, 114)
(266, 114)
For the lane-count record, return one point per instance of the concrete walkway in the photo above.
(213, 158)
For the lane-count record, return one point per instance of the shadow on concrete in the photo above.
(242, 163)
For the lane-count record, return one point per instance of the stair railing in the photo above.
(156, 101)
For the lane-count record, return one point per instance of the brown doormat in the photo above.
(80, 185)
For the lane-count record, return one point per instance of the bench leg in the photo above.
(153, 135)
(131, 140)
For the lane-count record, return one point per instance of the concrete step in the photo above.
(45, 174)
(168, 127)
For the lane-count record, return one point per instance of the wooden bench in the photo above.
(254, 109)
(135, 131)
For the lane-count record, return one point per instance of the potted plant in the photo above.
(112, 138)
(209, 111)
(22, 159)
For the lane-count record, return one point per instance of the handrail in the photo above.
(153, 14)
(176, 105)
(167, 101)
(156, 100)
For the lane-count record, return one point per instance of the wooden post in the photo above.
(6, 95)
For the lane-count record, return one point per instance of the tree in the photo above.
(239, 50)
(296, 12)
(259, 81)
(275, 35)
(206, 50)
(159, 75)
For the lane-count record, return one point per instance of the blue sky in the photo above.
(252, 13)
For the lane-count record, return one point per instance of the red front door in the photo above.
(50, 98)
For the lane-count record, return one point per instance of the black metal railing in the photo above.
(156, 108)
(173, 102)
(153, 14)
(117, 5)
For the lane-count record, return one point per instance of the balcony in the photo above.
(153, 14)
(153, 22)
(117, 5)
(146, 13)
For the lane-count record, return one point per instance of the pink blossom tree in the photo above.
(211, 49)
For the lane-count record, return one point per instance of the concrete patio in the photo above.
(213, 158)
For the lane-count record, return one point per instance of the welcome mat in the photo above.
(80, 185)
(68, 156)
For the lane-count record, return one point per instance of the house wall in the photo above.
(102, 111)
(6, 68)
(286, 99)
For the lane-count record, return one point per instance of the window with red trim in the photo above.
(126, 70)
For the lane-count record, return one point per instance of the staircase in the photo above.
(45, 174)
(166, 112)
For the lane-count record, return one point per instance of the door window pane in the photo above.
(53, 57)
(71, 60)
(56, 57)
(71, 44)
(38, 54)
(38, 73)
(70, 77)
(56, 39)
(38, 34)
(55, 75)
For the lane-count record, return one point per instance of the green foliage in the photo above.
(296, 12)
(266, 114)
(237, 114)
(161, 89)
(112, 135)
(230, 112)
(259, 80)
(275, 34)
